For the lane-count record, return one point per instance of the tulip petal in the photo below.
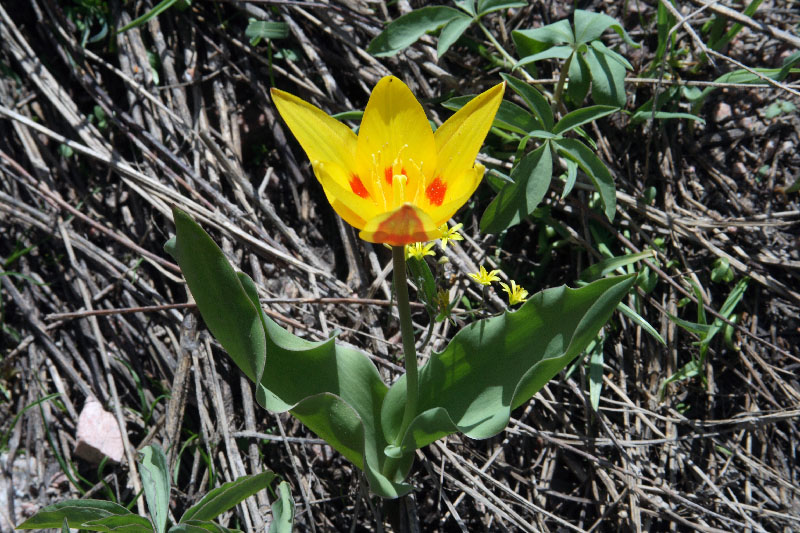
(343, 196)
(322, 137)
(394, 125)
(459, 191)
(459, 139)
(405, 225)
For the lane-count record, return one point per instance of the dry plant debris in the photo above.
(100, 133)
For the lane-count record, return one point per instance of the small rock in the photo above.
(739, 169)
(98, 434)
(722, 112)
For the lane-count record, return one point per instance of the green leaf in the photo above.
(227, 496)
(726, 310)
(640, 321)
(488, 6)
(590, 26)
(493, 366)
(572, 177)
(517, 200)
(76, 512)
(466, 5)
(451, 32)
(641, 116)
(579, 80)
(691, 369)
(608, 78)
(334, 390)
(535, 101)
(533, 41)
(607, 266)
(129, 523)
(201, 526)
(282, 510)
(227, 311)
(594, 168)
(582, 116)
(509, 116)
(600, 48)
(407, 29)
(560, 52)
(265, 29)
(426, 284)
(722, 271)
(155, 481)
(157, 10)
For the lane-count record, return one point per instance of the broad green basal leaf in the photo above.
(76, 512)
(227, 496)
(282, 510)
(155, 481)
(334, 390)
(227, 311)
(495, 365)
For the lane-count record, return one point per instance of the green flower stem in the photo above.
(407, 333)
(506, 56)
(562, 77)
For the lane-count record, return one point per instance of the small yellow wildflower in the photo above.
(450, 234)
(485, 278)
(419, 250)
(516, 294)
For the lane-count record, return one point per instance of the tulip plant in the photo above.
(399, 183)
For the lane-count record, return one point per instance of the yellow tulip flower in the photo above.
(397, 181)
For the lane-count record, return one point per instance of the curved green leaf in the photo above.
(282, 511)
(595, 169)
(120, 524)
(227, 496)
(533, 41)
(155, 481)
(201, 526)
(451, 32)
(609, 265)
(489, 6)
(334, 390)
(227, 311)
(407, 29)
(560, 52)
(579, 80)
(535, 101)
(608, 78)
(518, 200)
(590, 26)
(76, 512)
(495, 365)
(579, 117)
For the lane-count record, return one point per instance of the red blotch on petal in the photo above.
(357, 187)
(387, 173)
(435, 191)
(402, 227)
